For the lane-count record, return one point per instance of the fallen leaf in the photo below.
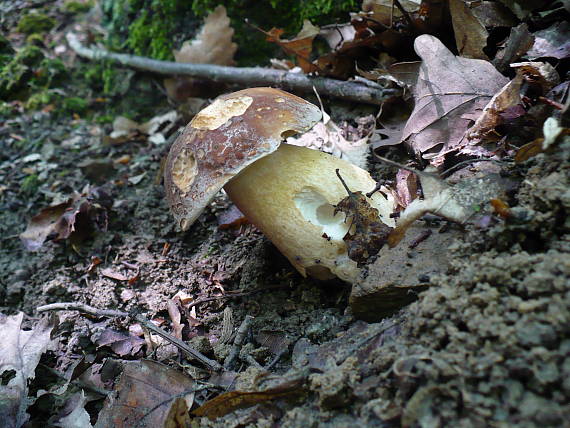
(470, 33)
(493, 14)
(386, 12)
(113, 274)
(517, 44)
(447, 88)
(508, 105)
(231, 218)
(367, 234)
(121, 344)
(276, 341)
(21, 353)
(144, 396)
(300, 46)
(456, 203)
(407, 186)
(155, 129)
(175, 317)
(228, 402)
(74, 220)
(529, 150)
(552, 42)
(78, 418)
(328, 137)
(212, 45)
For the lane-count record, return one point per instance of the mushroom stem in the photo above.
(290, 195)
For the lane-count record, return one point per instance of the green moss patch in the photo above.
(35, 23)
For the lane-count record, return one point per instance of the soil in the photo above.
(486, 344)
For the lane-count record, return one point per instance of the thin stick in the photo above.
(243, 76)
(407, 168)
(80, 307)
(238, 342)
(405, 13)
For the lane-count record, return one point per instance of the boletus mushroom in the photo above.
(288, 192)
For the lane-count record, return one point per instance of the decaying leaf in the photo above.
(156, 129)
(407, 186)
(78, 417)
(234, 400)
(456, 203)
(212, 45)
(552, 131)
(144, 395)
(327, 137)
(231, 218)
(448, 88)
(367, 233)
(73, 220)
(470, 33)
(20, 355)
(553, 42)
(386, 12)
(508, 103)
(121, 344)
(300, 46)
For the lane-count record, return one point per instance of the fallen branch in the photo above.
(80, 307)
(243, 76)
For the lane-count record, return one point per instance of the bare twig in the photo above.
(405, 13)
(244, 76)
(80, 307)
(238, 342)
(407, 168)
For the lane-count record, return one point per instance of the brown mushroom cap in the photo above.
(223, 139)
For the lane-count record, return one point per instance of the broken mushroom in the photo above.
(288, 192)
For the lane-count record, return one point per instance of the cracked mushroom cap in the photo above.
(224, 138)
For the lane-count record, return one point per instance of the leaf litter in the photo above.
(519, 273)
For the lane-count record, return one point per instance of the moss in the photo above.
(50, 72)
(104, 118)
(30, 55)
(16, 73)
(74, 105)
(30, 184)
(5, 46)
(75, 7)
(41, 98)
(35, 40)
(35, 23)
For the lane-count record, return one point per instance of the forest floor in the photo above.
(486, 344)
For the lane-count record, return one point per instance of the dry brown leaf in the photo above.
(406, 187)
(212, 45)
(470, 33)
(228, 402)
(125, 129)
(146, 389)
(73, 220)
(231, 218)
(367, 234)
(20, 355)
(326, 136)
(484, 126)
(300, 46)
(448, 87)
(121, 344)
(553, 42)
(507, 103)
(385, 12)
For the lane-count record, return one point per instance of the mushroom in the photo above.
(288, 192)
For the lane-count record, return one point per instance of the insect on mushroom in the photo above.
(288, 192)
